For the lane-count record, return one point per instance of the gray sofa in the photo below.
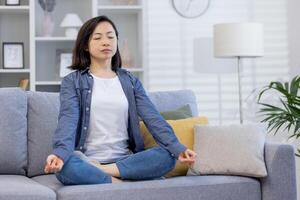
(27, 123)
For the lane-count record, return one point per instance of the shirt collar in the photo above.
(88, 70)
(85, 70)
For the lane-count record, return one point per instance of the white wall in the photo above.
(294, 33)
(171, 55)
(170, 50)
(294, 55)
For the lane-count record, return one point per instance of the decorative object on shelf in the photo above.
(23, 83)
(286, 115)
(238, 40)
(191, 8)
(12, 2)
(13, 55)
(71, 22)
(127, 60)
(47, 23)
(124, 2)
(63, 60)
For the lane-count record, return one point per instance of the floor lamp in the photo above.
(238, 40)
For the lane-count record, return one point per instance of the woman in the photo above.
(100, 106)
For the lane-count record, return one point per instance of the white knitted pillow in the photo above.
(229, 150)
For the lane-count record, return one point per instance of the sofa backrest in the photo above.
(43, 109)
(170, 100)
(13, 130)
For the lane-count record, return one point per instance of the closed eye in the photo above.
(100, 38)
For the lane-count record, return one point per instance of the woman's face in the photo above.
(103, 42)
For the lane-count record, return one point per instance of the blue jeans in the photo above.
(149, 164)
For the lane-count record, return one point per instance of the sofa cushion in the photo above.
(43, 108)
(179, 188)
(14, 187)
(13, 129)
(49, 180)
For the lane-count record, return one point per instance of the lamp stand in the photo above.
(240, 91)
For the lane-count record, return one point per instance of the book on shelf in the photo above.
(23, 83)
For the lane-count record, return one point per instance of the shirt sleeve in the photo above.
(64, 136)
(161, 131)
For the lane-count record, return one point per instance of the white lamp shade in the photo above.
(238, 39)
(71, 20)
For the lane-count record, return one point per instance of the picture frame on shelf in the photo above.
(63, 61)
(13, 55)
(12, 2)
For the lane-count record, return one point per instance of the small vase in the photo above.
(48, 24)
(127, 60)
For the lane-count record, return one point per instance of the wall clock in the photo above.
(191, 8)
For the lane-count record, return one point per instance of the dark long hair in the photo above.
(81, 58)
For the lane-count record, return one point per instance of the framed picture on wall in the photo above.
(12, 2)
(13, 55)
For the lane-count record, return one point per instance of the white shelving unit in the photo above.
(53, 39)
(14, 70)
(41, 52)
(48, 82)
(14, 27)
(14, 9)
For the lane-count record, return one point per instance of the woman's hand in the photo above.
(54, 164)
(187, 157)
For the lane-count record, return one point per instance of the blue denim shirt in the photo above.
(74, 115)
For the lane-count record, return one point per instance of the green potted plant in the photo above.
(287, 115)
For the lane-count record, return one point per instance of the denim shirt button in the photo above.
(87, 109)
(89, 91)
(80, 147)
(172, 155)
(84, 128)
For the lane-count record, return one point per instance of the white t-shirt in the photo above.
(107, 138)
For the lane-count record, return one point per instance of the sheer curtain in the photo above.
(171, 55)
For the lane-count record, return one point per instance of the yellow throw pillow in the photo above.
(184, 131)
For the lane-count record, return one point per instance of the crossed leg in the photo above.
(149, 164)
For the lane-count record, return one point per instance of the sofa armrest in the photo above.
(281, 180)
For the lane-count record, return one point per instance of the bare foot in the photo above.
(110, 169)
(98, 165)
(116, 180)
(95, 163)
